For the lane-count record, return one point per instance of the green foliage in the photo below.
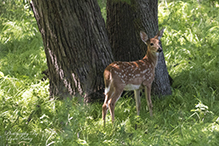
(21, 47)
(102, 5)
(190, 116)
(191, 43)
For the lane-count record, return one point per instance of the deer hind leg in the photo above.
(148, 98)
(108, 94)
(114, 98)
(104, 112)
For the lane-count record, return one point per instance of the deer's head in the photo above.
(152, 43)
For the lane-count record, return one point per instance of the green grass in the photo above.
(190, 116)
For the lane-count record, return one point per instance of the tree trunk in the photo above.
(148, 13)
(122, 32)
(125, 19)
(76, 46)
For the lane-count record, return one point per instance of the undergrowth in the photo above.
(190, 116)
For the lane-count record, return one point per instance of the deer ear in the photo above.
(160, 33)
(144, 36)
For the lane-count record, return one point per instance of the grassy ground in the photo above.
(190, 116)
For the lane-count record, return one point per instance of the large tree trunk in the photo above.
(148, 13)
(76, 46)
(122, 32)
(125, 19)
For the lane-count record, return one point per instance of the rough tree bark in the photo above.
(76, 46)
(148, 13)
(125, 19)
(122, 32)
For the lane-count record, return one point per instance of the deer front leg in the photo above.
(137, 100)
(148, 98)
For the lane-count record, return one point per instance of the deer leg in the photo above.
(148, 98)
(138, 103)
(111, 108)
(104, 112)
(115, 97)
(137, 100)
(149, 94)
(105, 104)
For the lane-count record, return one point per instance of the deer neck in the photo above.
(151, 57)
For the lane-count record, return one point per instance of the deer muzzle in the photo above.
(159, 49)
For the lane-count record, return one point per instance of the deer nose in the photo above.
(159, 49)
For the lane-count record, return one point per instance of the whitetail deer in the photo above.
(119, 76)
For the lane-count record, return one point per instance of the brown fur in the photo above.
(119, 76)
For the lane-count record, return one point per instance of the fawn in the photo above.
(119, 76)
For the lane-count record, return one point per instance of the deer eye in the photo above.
(151, 44)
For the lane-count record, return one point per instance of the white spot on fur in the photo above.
(122, 80)
(144, 71)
